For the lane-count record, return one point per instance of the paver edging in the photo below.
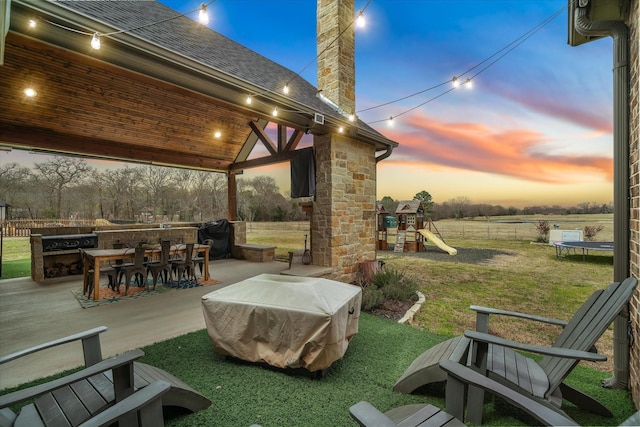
(414, 309)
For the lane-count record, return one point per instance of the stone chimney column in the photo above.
(336, 52)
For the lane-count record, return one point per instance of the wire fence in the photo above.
(464, 230)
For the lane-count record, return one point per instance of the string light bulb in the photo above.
(217, 134)
(352, 117)
(285, 89)
(360, 21)
(455, 82)
(30, 92)
(468, 84)
(32, 23)
(203, 15)
(341, 129)
(275, 112)
(95, 41)
(249, 100)
(391, 121)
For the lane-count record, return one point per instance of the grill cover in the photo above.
(284, 321)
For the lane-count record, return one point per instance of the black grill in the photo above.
(65, 242)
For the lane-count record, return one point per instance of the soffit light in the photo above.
(30, 92)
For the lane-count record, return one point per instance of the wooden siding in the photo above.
(90, 107)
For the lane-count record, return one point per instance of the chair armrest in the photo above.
(486, 310)
(88, 338)
(458, 372)
(106, 365)
(147, 400)
(365, 414)
(549, 351)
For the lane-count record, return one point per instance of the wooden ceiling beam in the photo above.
(263, 137)
(262, 161)
(296, 136)
(36, 139)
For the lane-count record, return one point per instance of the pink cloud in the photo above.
(567, 107)
(474, 146)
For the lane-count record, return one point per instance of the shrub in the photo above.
(395, 284)
(543, 228)
(590, 231)
(371, 297)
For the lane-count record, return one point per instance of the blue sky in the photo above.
(535, 129)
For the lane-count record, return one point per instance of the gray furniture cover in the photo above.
(284, 321)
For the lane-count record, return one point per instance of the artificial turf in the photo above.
(244, 394)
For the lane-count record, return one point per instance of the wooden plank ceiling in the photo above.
(89, 107)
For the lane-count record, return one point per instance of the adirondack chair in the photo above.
(541, 381)
(459, 377)
(544, 380)
(79, 397)
(55, 403)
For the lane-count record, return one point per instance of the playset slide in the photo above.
(438, 242)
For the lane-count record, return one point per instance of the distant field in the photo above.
(521, 227)
(290, 235)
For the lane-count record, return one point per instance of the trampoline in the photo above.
(564, 248)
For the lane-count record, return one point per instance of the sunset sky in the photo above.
(536, 128)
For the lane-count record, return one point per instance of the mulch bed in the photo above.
(464, 255)
(392, 309)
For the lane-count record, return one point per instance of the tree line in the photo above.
(69, 188)
(462, 207)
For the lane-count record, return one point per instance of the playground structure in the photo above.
(431, 237)
(408, 231)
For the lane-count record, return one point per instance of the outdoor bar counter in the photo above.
(284, 321)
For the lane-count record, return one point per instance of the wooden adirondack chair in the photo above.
(459, 377)
(541, 381)
(56, 404)
(101, 386)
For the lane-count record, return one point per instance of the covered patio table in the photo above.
(284, 321)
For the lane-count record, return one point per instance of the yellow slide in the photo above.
(438, 242)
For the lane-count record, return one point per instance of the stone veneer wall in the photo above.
(343, 227)
(634, 176)
(336, 52)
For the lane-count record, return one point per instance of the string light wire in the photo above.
(94, 33)
(506, 49)
(352, 23)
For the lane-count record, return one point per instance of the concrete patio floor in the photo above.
(33, 313)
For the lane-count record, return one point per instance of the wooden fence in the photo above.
(22, 227)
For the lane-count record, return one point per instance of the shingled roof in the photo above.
(163, 89)
(157, 24)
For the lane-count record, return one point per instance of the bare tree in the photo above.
(459, 205)
(156, 179)
(13, 177)
(123, 189)
(61, 172)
